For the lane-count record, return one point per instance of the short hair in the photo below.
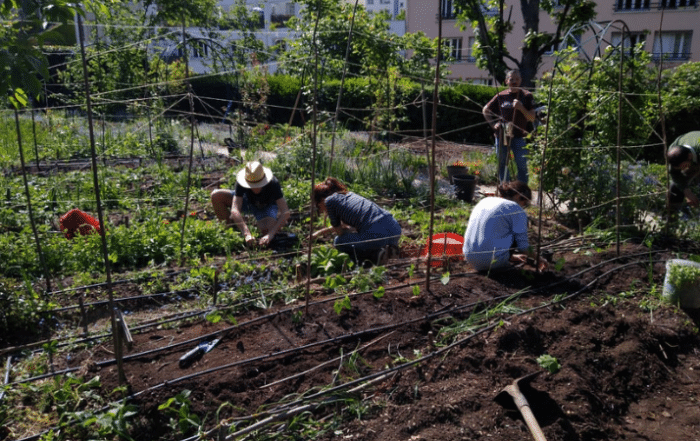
(678, 154)
(509, 190)
(513, 71)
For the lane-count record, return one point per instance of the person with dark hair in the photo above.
(498, 227)
(363, 229)
(257, 192)
(684, 170)
(508, 113)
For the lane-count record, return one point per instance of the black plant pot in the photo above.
(464, 187)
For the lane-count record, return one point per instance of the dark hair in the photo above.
(326, 188)
(678, 154)
(513, 71)
(509, 190)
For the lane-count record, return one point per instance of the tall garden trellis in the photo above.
(596, 48)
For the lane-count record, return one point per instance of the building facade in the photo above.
(669, 29)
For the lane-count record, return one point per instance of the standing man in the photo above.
(258, 193)
(684, 170)
(508, 114)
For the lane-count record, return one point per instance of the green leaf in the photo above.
(445, 279)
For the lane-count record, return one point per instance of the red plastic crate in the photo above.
(76, 221)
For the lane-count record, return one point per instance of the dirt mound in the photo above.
(428, 367)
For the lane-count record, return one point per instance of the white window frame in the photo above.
(454, 45)
(631, 39)
(447, 9)
(673, 45)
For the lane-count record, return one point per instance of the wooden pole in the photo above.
(96, 185)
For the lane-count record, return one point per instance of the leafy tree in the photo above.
(177, 12)
(492, 22)
(30, 26)
(681, 99)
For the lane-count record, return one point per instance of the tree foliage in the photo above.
(29, 25)
(492, 21)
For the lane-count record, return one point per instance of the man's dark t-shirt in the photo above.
(502, 104)
(268, 195)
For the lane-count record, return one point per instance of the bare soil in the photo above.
(630, 365)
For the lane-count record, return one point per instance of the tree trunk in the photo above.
(530, 56)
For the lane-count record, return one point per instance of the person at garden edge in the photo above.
(684, 170)
(508, 114)
(257, 192)
(363, 229)
(497, 227)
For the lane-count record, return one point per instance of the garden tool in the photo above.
(197, 352)
(505, 133)
(513, 391)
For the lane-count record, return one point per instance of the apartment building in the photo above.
(393, 7)
(667, 28)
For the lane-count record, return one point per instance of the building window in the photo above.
(470, 50)
(574, 42)
(448, 9)
(674, 4)
(631, 5)
(289, 9)
(385, 2)
(370, 2)
(631, 40)
(453, 49)
(672, 45)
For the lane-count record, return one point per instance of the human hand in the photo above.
(692, 199)
(249, 239)
(265, 240)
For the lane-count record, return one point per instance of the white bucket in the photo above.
(687, 296)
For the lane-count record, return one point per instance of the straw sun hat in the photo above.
(254, 175)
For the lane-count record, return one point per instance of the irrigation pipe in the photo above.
(300, 374)
(345, 336)
(379, 376)
(178, 317)
(299, 404)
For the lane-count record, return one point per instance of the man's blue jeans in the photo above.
(519, 148)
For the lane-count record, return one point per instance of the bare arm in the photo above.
(237, 218)
(491, 118)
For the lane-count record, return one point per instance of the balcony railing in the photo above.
(648, 6)
(671, 56)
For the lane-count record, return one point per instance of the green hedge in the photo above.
(459, 118)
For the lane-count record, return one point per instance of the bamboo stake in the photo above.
(47, 276)
(431, 164)
(96, 185)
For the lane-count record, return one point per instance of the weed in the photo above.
(549, 363)
(178, 409)
(342, 304)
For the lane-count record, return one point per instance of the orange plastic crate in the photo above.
(446, 246)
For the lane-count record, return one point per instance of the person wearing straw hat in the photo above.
(363, 229)
(497, 230)
(684, 170)
(508, 113)
(257, 192)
